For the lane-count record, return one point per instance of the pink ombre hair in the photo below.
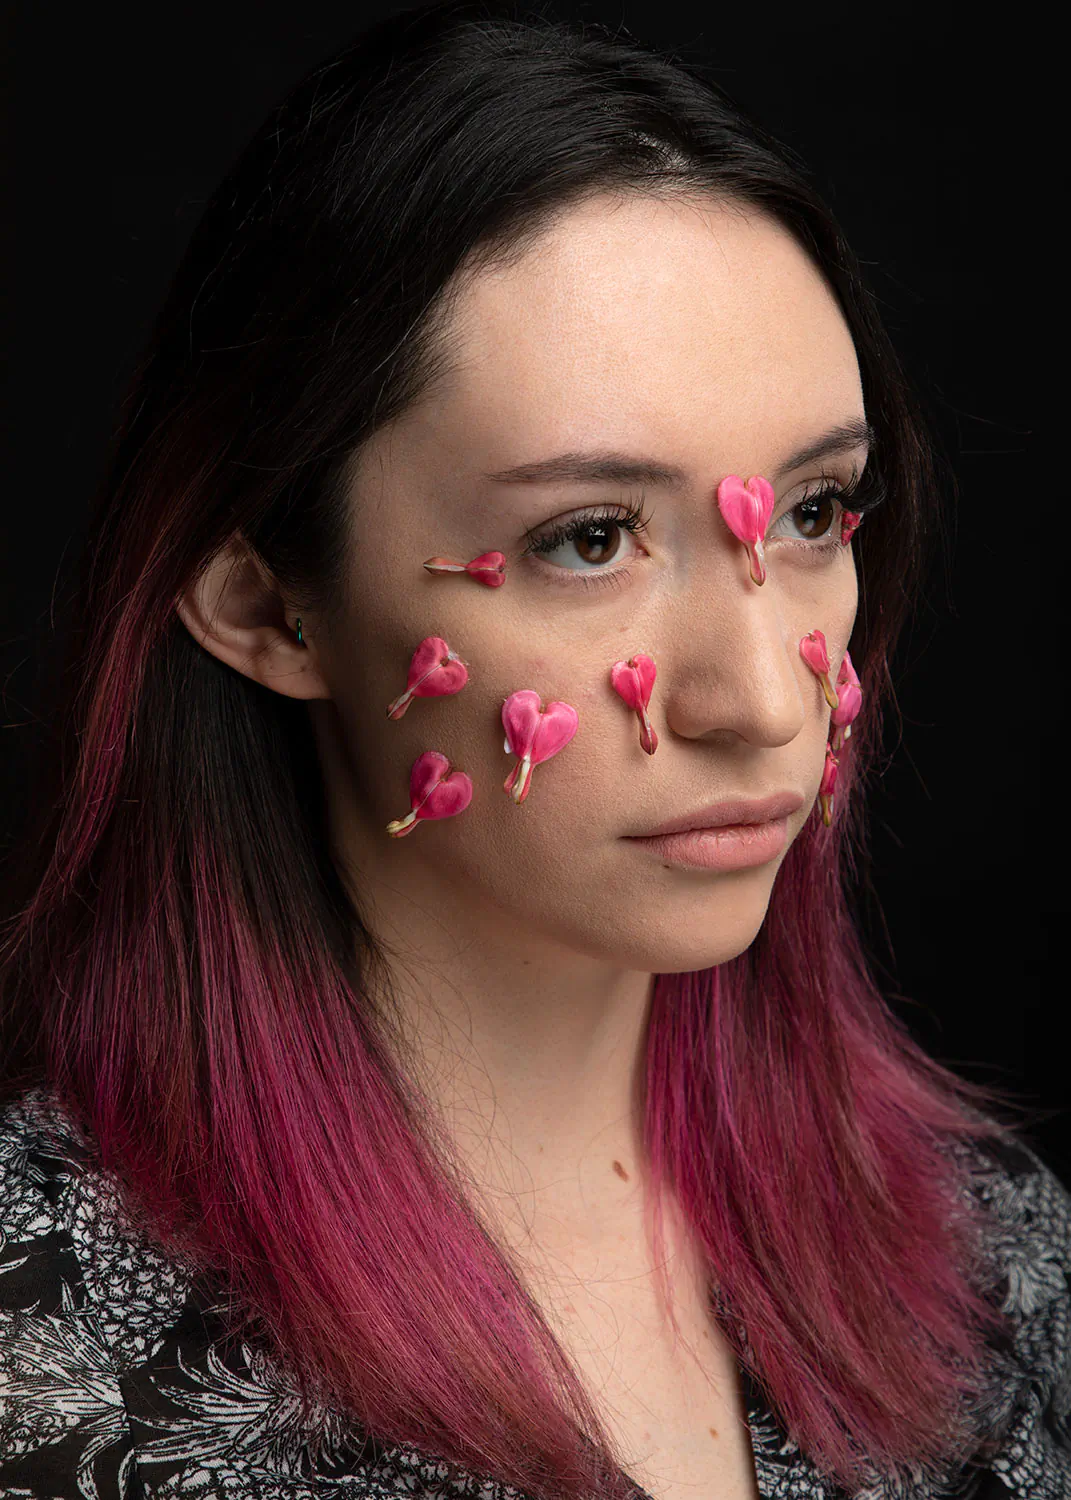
(181, 961)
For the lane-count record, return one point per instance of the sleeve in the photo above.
(63, 1425)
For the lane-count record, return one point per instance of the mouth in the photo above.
(731, 846)
(735, 812)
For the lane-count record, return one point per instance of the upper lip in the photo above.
(735, 810)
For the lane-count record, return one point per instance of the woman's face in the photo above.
(688, 335)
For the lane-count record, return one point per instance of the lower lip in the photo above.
(735, 847)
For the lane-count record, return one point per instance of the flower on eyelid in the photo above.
(849, 702)
(814, 652)
(849, 521)
(488, 568)
(434, 792)
(828, 786)
(433, 671)
(746, 509)
(533, 733)
(633, 681)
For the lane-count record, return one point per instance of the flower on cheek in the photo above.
(534, 734)
(433, 671)
(849, 702)
(434, 792)
(828, 786)
(488, 568)
(634, 680)
(816, 655)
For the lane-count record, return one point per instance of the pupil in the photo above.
(598, 529)
(810, 506)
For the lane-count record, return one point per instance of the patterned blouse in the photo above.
(116, 1380)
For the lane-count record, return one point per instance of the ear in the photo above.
(235, 610)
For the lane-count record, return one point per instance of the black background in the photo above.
(921, 132)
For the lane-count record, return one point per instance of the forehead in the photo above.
(649, 320)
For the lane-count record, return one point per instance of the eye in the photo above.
(586, 544)
(818, 515)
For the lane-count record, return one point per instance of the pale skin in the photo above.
(527, 937)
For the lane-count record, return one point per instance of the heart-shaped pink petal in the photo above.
(435, 670)
(520, 715)
(557, 725)
(434, 792)
(815, 653)
(452, 795)
(633, 680)
(746, 510)
(534, 734)
(488, 568)
(828, 786)
(849, 702)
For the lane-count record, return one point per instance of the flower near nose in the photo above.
(814, 652)
(434, 792)
(488, 568)
(433, 671)
(849, 702)
(633, 680)
(828, 786)
(533, 733)
(746, 509)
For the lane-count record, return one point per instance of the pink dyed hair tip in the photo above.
(849, 524)
(849, 702)
(827, 786)
(434, 792)
(633, 681)
(488, 568)
(814, 652)
(433, 671)
(746, 509)
(534, 734)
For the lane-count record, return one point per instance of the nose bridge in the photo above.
(737, 663)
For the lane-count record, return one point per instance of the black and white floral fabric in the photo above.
(116, 1380)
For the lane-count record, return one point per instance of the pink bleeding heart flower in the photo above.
(633, 681)
(814, 652)
(747, 509)
(849, 702)
(535, 734)
(489, 568)
(434, 792)
(433, 671)
(849, 521)
(827, 786)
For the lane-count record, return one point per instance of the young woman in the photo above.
(395, 1100)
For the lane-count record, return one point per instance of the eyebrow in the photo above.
(610, 467)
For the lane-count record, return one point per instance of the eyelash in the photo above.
(860, 494)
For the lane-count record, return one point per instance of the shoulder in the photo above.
(1029, 1210)
(81, 1300)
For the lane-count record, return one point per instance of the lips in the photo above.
(734, 811)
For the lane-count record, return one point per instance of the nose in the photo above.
(736, 673)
